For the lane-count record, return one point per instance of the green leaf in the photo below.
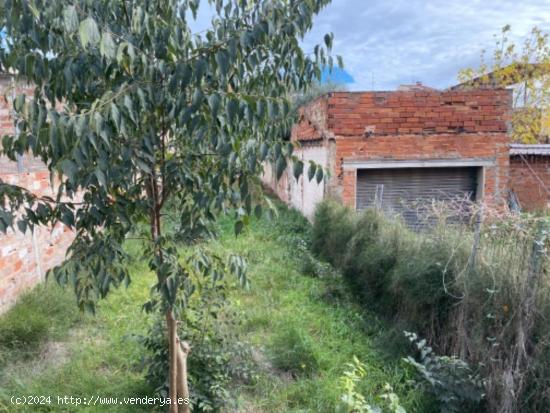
(70, 19)
(89, 33)
(264, 149)
(107, 47)
(232, 107)
(272, 108)
(115, 115)
(297, 169)
(280, 167)
(319, 175)
(143, 166)
(214, 104)
(19, 103)
(101, 177)
(129, 105)
(22, 225)
(258, 211)
(239, 225)
(69, 169)
(197, 97)
(328, 40)
(311, 170)
(222, 60)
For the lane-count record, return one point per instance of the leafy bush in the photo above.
(332, 230)
(295, 231)
(451, 380)
(291, 351)
(217, 355)
(287, 223)
(353, 401)
(368, 258)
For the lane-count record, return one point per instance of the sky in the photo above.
(385, 43)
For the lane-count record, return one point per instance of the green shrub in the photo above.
(289, 224)
(353, 401)
(334, 227)
(217, 355)
(451, 380)
(292, 350)
(23, 330)
(368, 258)
(423, 282)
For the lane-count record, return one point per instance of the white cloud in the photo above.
(385, 43)
(395, 42)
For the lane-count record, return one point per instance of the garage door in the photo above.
(406, 191)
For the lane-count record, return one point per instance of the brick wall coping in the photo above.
(529, 149)
(405, 112)
(417, 163)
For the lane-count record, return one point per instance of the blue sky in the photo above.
(386, 43)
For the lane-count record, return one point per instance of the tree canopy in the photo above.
(525, 68)
(132, 112)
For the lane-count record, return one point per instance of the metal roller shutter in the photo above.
(403, 191)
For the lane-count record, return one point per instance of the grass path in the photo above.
(305, 323)
(304, 331)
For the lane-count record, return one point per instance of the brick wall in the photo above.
(410, 125)
(530, 181)
(418, 112)
(25, 258)
(486, 146)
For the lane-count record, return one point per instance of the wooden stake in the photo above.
(173, 349)
(183, 350)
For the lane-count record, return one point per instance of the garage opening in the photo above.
(408, 191)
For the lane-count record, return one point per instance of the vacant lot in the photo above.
(303, 330)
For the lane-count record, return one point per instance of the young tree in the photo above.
(526, 68)
(133, 112)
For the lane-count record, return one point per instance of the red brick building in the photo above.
(391, 147)
(530, 176)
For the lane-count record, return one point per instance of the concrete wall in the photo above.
(306, 194)
(302, 194)
(25, 258)
(530, 181)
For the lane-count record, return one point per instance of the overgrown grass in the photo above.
(304, 330)
(43, 314)
(77, 355)
(484, 297)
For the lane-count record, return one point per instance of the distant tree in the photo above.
(132, 112)
(527, 68)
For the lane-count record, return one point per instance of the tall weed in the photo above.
(478, 292)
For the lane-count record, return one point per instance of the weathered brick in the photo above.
(23, 259)
(530, 181)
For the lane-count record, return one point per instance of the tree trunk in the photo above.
(183, 350)
(177, 354)
(173, 369)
